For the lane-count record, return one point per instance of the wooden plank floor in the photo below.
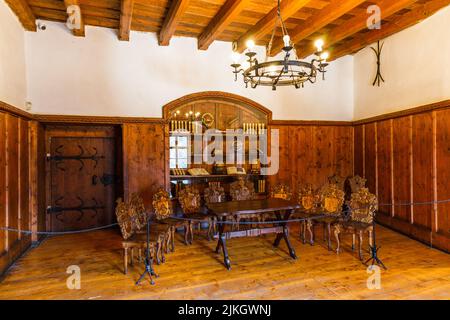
(258, 271)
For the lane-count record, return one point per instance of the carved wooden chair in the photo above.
(356, 183)
(242, 190)
(330, 200)
(127, 221)
(331, 204)
(162, 231)
(215, 193)
(363, 206)
(307, 199)
(190, 202)
(162, 206)
(279, 191)
(338, 181)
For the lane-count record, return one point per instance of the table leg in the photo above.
(221, 243)
(288, 242)
(285, 234)
(276, 243)
(226, 258)
(221, 230)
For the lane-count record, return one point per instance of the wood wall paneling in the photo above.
(144, 160)
(370, 157)
(422, 146)
(12, 158)
(441, 232)
(15, 207)
(384, 159)
(3, 184)
(358, 157)
(310, 154)
(343, 151)
(323, 155)
(412, 161)
(402, 168)
(283, 175)
(24, 183)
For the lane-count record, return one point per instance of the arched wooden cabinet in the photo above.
(196, 123)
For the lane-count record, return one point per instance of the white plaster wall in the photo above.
(100, 75)
(13, 86)
(415, 65)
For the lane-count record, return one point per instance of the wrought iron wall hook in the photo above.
(377, 51)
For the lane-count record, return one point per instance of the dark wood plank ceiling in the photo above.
(341, 23)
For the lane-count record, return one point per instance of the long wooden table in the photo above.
(283, 210)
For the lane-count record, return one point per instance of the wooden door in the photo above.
(82, 177)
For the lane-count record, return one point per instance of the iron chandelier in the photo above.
(284, 72)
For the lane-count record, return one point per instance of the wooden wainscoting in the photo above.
(310, 153)
(19, 177)
(406, 159)
(145, 159)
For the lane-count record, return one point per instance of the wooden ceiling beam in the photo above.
(23, 13)
(387, 29)
(126, 13)
(354, 25)
(265, 26)
(177, 8)
(331, 12)
(227, 13)
(76, 32)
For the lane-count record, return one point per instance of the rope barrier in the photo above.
(315, 216)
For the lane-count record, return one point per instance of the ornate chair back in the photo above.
(124, 219)
(331, 199)
(307, 198)
(189, 199)
(214, 193)
(281, 191)
(338, 181)
(356, 183)
(363, 206)
(137, 210)
(161, 204)
(241, 190)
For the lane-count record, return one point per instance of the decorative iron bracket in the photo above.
(58, 210)
(377, 51)
(80, 157)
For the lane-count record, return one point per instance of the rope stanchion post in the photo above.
(374, 249)
(148, 260)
